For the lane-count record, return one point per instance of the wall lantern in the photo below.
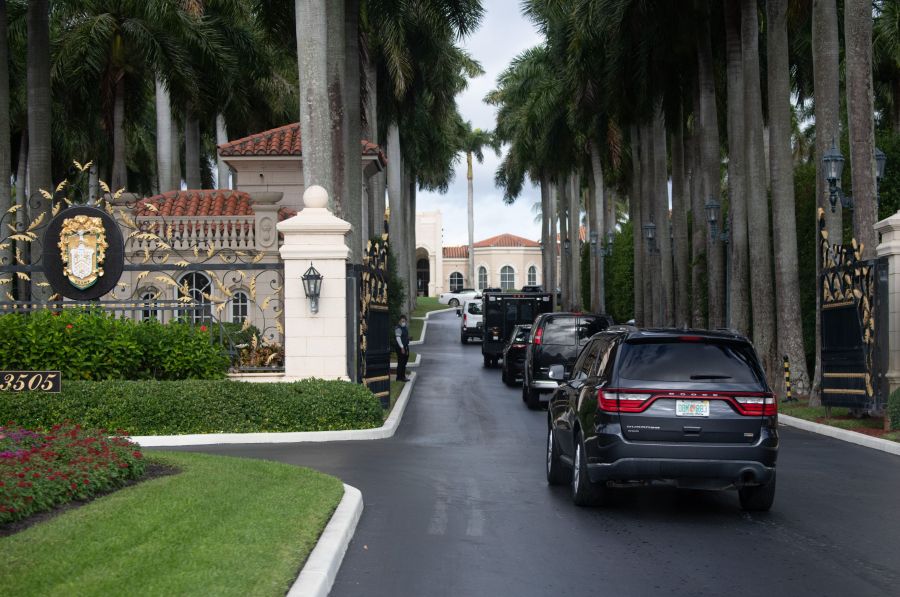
(650, 235)
(713, 208)
(567, 244)
(312, 286)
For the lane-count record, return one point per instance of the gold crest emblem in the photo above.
(82, 246)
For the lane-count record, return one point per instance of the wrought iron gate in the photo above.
(373, 357)
(853, 294)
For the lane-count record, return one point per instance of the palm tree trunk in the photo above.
(598, 225)
(163, 137)
(119, 171)
(860, 120)
(315, 111)
(553, 246)
(411, 232)
(94, 184)
(5, 142)
(21, 213)
(562, 205)
(661, 198)
(336, 67)
(470, 278)
(353, 136)
(376, 182)
(574, 195)
(738, 297)
(763, 308)
(636, 216)
(546, 277)
(39, 126)
(680, 206)
(176, 157)
(781, 166)
(223, 172)
(192, 151)
(648, 211)
(398, 236)
(710, 164)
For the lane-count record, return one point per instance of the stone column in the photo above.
(315, 344)
(889, 247)
(265, 209)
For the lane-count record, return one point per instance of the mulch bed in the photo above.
(151, 471)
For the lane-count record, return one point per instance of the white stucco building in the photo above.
(506, 261)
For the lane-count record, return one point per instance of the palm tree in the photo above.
(781, 168)
(860, 118)
(39, 123)
(315, 116)
(5, 143)
(472, 143)
(757, 208)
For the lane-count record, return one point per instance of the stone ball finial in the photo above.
(315, 196)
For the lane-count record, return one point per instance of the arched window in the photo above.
(507, 278)
(532, 276)
(456, 282)
(482, 277)
(148, 297)
(197, 285)
(240, 305)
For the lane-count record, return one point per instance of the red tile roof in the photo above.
(461, 252)
(215, 202)
(506, 240)
(283, 141)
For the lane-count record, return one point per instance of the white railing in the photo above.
(189, 232)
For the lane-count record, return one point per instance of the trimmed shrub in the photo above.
(165, 407)
(41, 470)
(94, 345)
(893, 409)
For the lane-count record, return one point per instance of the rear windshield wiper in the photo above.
(710, 377)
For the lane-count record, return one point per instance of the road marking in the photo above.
(438, 523)
(475, 526)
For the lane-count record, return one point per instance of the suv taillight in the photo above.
(754, 406)
(537, 336)
(466, 320)
(625, 402)
(635, 401)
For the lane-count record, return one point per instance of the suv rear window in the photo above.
(475, 308)
(559, 330)
(522, 334)
(690, 362)
(588, 326)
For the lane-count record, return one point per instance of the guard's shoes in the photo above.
(402, 379)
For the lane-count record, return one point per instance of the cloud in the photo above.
(503, 34)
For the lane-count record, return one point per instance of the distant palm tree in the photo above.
(473, 142)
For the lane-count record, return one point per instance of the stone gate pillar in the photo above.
(315, 344)
(889, 247)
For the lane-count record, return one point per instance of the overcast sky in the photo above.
(504, 33)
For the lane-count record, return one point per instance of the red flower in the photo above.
(202, 328)
(69, 326)
(137, 454)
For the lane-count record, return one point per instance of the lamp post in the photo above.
(833, 168)
(312, 286)
(713, 208)
(650, 236)
(608, 249)
(594, 237)
(567, 245)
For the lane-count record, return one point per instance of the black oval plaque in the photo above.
(113, 261)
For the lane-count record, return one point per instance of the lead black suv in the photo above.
(689, 407)
(556, 339)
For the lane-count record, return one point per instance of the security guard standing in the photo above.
(401, 336)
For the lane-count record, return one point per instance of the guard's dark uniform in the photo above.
(401, 337)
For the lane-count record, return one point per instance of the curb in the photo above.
(286, 437)
(410, 364)
(425, 325)
(876, 443)
(321, 567)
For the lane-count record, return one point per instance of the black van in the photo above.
(503, 311)
(556, 339)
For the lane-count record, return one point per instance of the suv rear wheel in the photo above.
(758, 498)
(584, 493)
(531, 398)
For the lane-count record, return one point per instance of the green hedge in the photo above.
(893, 409)
(164, 408)
(94, 345)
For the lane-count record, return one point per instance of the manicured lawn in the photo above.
(426, 304)
(840, 417)
(396, 388)
(222, 526)
(415, 328)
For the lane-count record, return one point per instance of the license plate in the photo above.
(692, 408)
(496, 337)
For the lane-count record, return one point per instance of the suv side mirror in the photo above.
(557, 372)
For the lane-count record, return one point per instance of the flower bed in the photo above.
(42, 470)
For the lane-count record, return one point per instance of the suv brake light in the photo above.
(762, 405)
(626, 402)
(537, 336)
(635, 401)
(466, 320)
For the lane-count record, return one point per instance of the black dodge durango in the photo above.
(687, 407)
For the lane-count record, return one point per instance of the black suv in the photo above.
(514, 354)
(556, 339)
(689, 407)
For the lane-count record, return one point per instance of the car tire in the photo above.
(557, 473)
(507, 380)
(463, 338)
(532, 398)
(584, 492)
(487, 361)
(758, 498)
(453, 303)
